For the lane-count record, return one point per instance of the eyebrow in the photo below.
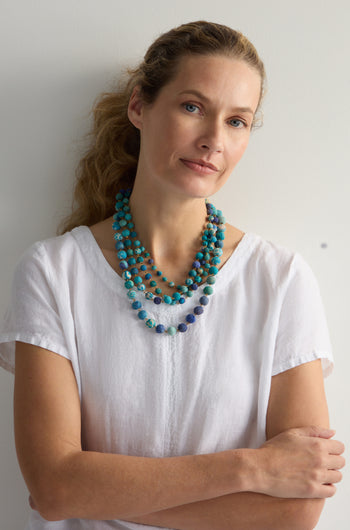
(199, 94)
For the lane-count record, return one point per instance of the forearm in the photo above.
(240, 511)
(107, 486)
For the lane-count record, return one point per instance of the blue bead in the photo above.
(136, 305)
(182, 300)
(204, 300)
(123, 265)
(157, 300)
(198, 310)
(119, 245)
(142, 314)
(160, 328)
(143, 267)
(148, 276)
(194, 287)
(134, 270)
(196, 264)
(190, 318)
(182, 327)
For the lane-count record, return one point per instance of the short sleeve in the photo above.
(303, 333)
(32, 315)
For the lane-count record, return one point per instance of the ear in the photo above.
(135, 108)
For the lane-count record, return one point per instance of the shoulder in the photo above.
(275, 263)
(51, 253)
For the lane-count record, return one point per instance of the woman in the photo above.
(120, 424)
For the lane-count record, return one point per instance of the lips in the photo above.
(199, 165)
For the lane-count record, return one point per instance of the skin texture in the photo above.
(201, 491)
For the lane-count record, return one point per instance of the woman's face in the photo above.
(198, 128)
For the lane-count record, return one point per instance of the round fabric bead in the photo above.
(142, 314)
(208, 290)
(190, 318)
(129, 284)
(157, 300)
(136, 304)
(126, 275)
(213, 270)
(198, 310)
(160, 328)
(211, 280)
(123, 265)
(171, 331)
(150, 323)
(131, 294)
(182, 327)
(182, 300)
(167, 299)
(149, 296)
(204, 300)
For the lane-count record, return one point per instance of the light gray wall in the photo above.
(292, 186)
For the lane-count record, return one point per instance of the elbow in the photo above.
(302, 514)
(49, 499)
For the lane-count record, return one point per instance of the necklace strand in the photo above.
(134, 259)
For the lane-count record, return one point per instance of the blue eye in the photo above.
(190, 107)
(237, 124)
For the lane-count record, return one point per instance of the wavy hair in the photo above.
(110, 161)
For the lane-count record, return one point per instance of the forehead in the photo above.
(218, 77)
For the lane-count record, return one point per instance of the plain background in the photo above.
(292, 186)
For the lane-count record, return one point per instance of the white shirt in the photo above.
(145, 394)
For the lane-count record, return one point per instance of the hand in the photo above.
(300, 463)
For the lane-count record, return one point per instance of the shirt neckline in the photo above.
(94, 255)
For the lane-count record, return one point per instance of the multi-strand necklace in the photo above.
(138, 267)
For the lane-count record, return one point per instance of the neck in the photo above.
(168, 225)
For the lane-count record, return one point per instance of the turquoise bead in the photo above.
(167, 299)
(208, 290)
(141, 287)
(136, 304)
(137, 279)
(150, 323)
(171, 331)
(149, 295)
(158, 290)
(211, 280)
(142, 314)
(213, 270)
(126, 275)
(131, 295)
(122, 254)
(129, 284)
(216, 260)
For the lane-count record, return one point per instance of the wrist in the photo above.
(249, 470)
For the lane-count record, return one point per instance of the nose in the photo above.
(211, 139)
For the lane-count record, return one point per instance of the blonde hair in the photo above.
(111, 159)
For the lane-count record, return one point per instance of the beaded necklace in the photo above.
(134, 260)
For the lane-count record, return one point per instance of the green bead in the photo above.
(171, 331)
(211, 280)
(208, 290)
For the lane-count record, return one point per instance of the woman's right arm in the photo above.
(66, 482)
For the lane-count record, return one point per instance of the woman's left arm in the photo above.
(297, 399)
